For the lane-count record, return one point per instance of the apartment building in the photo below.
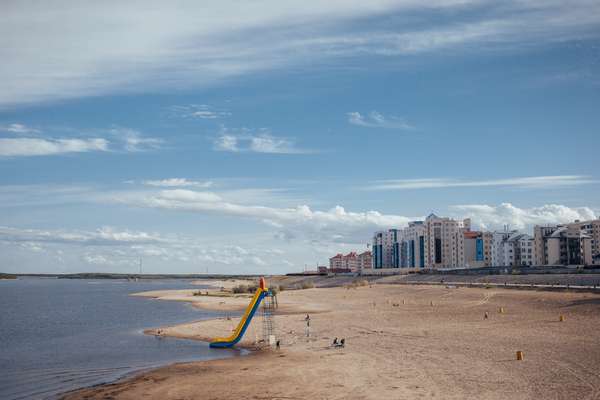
(568, 244)
(365, 260)
(336, 262)
(350, 262)
(592, 229)
(414, 243)
(387, 248)
(441, 244)
(524, 250)
(474, 249)
(512, 249)
(540, 235)
(500, 248)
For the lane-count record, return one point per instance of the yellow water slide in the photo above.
(237, 335)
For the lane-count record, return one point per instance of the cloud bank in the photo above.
(338, 224)
(536, 182)
(67, 52)
(494, 217)
(117, 139)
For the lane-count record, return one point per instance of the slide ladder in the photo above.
(237, 335)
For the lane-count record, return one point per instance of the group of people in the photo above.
(336, 342)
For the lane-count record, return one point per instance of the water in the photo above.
(57, 335)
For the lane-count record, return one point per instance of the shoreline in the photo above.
(207, 329)
(402, 341)
(245, 349)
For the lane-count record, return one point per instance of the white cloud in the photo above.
(100, 237)
(537, 182)
(262, 142)
(125, 139)
(18, 128)
(225, 142)
(177, 182)
(18, 147)
(69, 52)
(495, 217)
(377, 120)
(335, 223)
(200, 111)
(266, 143)
(124, 248)
(134, 141)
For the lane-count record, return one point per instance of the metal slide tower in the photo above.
(268, 307)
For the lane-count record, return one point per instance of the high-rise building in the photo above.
(414, 243)
(474, 249)
(387, 248)
(441, 245)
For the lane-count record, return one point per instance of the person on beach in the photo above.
(307, 319)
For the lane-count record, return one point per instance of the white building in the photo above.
(524, 251)
(512, 249)
(441, 245)
(386, 248)
(500, 248)
(365, 261)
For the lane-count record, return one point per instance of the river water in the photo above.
(57, 335)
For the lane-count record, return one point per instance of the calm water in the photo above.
(59, 334)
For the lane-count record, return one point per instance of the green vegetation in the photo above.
(357, 283)
(244, 289)
(212, 294)
(308, 285)
(7, 276)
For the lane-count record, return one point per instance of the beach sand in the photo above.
(402, 342)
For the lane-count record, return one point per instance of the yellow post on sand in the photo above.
(519, 355)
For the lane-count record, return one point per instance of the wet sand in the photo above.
(402, 342)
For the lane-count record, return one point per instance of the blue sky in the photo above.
(267, 136)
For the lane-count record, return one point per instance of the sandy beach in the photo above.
(402, 342)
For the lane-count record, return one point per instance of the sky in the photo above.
(267, 136)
